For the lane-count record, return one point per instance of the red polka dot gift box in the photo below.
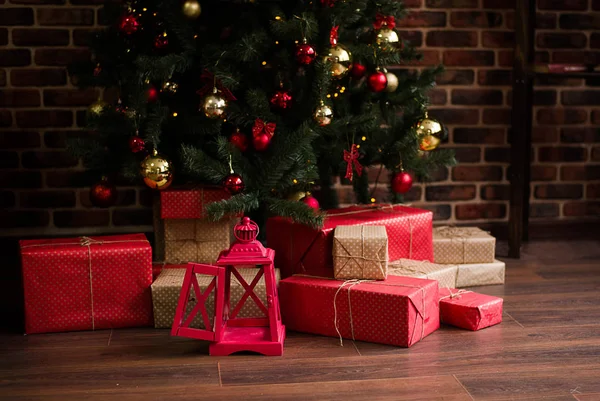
(469, 310)
(87, 283)
(398, 311)
(189, 203)
(300, 249)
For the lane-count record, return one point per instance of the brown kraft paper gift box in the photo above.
(360, 252)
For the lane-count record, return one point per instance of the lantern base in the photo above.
(252, 339)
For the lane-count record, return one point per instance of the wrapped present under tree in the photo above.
(360, 252)
(469, 310)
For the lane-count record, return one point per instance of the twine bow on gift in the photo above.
(458, 234)
(260, 126)
(381, 20)
(351, 158)
(457, 294)
(379, 261)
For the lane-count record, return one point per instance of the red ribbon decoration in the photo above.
(381, 20)
(351, 158)
(328, 3)
(333, 35)
(208, 83)
(260, 126)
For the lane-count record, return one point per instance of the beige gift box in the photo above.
(480, 274)
(196, 240)
(360, 252)
(167, 287)
(462, 245)
(445, 275)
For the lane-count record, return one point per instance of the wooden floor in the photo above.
(547, 348)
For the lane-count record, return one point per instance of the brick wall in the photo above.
(43, 188)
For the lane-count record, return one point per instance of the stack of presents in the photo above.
(377, 273)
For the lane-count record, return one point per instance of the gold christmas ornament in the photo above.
(214, 105)
(156, 171)
(323, 115)
(392, 82)
(386, 36)
(430, 133)
(97, 107)
(191, 9)
(341, 60)
(170, 87)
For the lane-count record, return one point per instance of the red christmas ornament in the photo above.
(103, 193)
(402, 182)
(305, 53)
(234, 184)
(239, 140)
(281, 100)
(357, 70)
(129, 24)
(97, 70)
(136, 144)
(377, 81)
(310, 201)
(261, 141)
(152, 94)
(161, 41)
(262, 133)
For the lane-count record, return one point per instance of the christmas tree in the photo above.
(270, 99)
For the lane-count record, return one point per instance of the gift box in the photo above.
(197, 240)
(189, 203)
(398, 311)
(87, 283)
(445, 275)
(472, 275)
(157, 268)
(167, 287)
(300, 249)
(469, 310)
(360, 252)
(462, 245)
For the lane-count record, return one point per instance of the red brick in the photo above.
(418, 19)
(14, 57)
(557, 81)
(506, 58)
(595, 117)
(559, 116)
(455, 77)
(58, 139)
(19, 139)
(48, 159)
(7, 199)
(70, 179)
(146, 197)
(19, 98)
(414, 38)
(24, 219)
(595, 154)
(495, 192)
(60, 57)
(20, 179)
(451, 3)
(579, 21)
(494, 77)
(595, 40)
(65, 16)
(479, 211)
(70, 97)
(466, 155)
(132, 217)
(82, 37)
(580, 98)
(47, 199)
(125, 197)
(479, 135)
(543, 173)
(545, 21)
(576, 57)
(561, 40)
(540, 210)
(3, 36)
(595, 4)
(500, 4)
(437, 96)
(545, 97)
(477, 173)
(440, 212)
(456, 116)
(498, 39)
(38, 77)
(472, 19)
(439, 174)
(450, 192)
(412, 3)
(3, 78)
(40, 37)
(429, 57)
(592, 191)
(475, 97)
(452, 38)
(464, 58)
(81, 218)
(498, 155)
(580, 209)
(5, 118)
(580, 135)
(567, 5)
(44, 118)
(559, 191)
(589, 172)
(544, 134)
(9, 159)
(16, 16)
(561, 154)
(497, 116)
(542, 57)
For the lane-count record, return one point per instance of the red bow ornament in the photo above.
(260, 126)
(328, 3)
(381, 20)
(209, 83)
(351, 157)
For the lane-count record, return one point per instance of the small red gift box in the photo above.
(398, 311)
(300, 249)
(189, 203)
(87, 283)
(469, 310)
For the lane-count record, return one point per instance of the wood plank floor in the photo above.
(547, 348)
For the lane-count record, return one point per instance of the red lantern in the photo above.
(402, 182)
(129, 24)
(377, 81)
(357, 70)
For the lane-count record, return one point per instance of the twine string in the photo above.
(378, 261)
(457, 294)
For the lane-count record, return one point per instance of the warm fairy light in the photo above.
(224, 120)
(335, 95)
(343, 88)
(373, 200)
(175, 114)
(195, 36)
(154, 14)
(278, 18)
(264, 63)
(165, 34)
(364, 138)
(295, 181)
(295, 41)
(328, 96)
(144, 9)
(357, 146)
(276, 42)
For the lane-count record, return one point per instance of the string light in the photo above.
(175, 114)
(357, 146)
(328, 96)
(276, 42)
(278, 18)
(295, 41)
(364, 138)
(373, 200)
(154, 14)
(335, 95)
(264, 63)
(144, 9)
(195, 36)
(295, 181)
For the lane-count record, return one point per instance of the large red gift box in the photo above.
(469, 310)
(87, 283)
(300, 249)
(398, 311)
(189, 203)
